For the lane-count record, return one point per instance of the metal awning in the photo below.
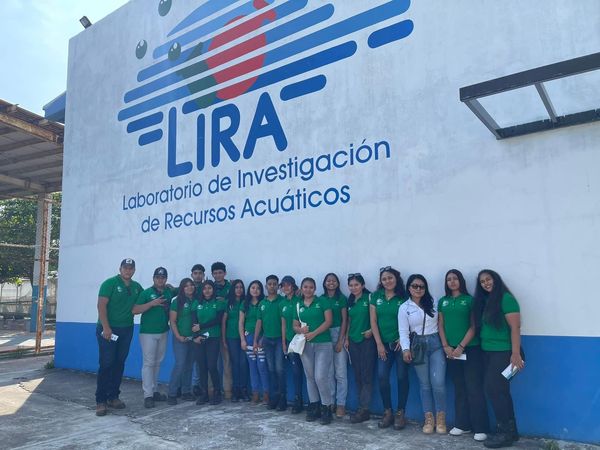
(31, 153)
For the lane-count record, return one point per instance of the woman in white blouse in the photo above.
(418, 315)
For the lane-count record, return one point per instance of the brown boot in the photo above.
(387, 419)
(265, 399)
(101, 409)
(440, 423)
(340, 412)
(399, 420)
(255, 399)
(429, 423)
(362, 415)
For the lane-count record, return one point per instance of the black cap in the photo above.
(128, 262)
(160, 272)
(218, 266)
(198, 267)
(288, 279)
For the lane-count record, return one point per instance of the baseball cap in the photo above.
(128, 262)
(160, 272)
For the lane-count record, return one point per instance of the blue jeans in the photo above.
(297, 372)
(239, 364)
(259, 373)
(181, 375)
(111, 361)
(432, 376)
(384, 369)
(274, 353)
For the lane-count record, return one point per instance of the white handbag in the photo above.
(298, 341)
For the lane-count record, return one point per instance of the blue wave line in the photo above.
(323, 36)
(303, 87)
(145, 122)
(208, 27)
(151, 136)
(210, 7)
(389, 34)
(282, 11)
(307, 64)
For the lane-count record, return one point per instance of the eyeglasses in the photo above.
(354, 275)
(384, 269)
(417, 287)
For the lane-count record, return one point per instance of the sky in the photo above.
(34, 44)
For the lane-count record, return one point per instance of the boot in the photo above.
(504, 437)
(313, 412)
(244, 395)
(429, 425)
(362, 415)
(387, 419)
(440, 423)
(273, 402)
(282, 404)
(512, 429)
(235, 395)
(217, 397)
(340, 412)
(399, 420)
(326, 415)
(203, 399)
(265, 399)
(255, 398)
(298, 405)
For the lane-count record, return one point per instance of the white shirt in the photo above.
(410, 318)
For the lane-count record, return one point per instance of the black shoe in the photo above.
(202, 400)
(197, 390)
(188, 397)
(313, 412)
(171, 400)
(217, 399)
(149, 402)
(235, 395)
(178, 392)
(326, 415)
(244, 396)
(158, 397)
(282, 405)
(298, 405)
(273, 402)
(362, 415)
(504, 437)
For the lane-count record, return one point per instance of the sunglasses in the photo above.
(417, 287)
(354, 275)
(384, 269)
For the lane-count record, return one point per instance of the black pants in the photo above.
(111, 358)
(497, 387)
(384, 368)
(470, 408)
(207, 354)
(363, 357)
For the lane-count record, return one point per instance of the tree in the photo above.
(17, 226)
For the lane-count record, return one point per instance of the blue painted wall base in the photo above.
(557, 395)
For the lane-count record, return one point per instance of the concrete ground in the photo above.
(54, 409)
(13, 340)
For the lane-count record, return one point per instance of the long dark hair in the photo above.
(201, 295)
(426, 302)
(181, 299)
(462, 284)
(338, 291)
(310, 280)
(488, 305)
(358, 277)
(400, 290)
(231, 293)
(248, 298)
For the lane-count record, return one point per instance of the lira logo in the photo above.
(273, 42)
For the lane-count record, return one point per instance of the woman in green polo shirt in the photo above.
(180, 319)
(457, 333)
(313, 319)
(257, 362)
(360, 344)
(384, 305)
(497, 315)
(207, 339)
(339, 311)
(232, 342)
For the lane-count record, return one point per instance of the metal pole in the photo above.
(42, 276)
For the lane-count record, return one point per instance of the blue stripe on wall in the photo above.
(557, 396)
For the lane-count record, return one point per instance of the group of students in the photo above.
(221, 327)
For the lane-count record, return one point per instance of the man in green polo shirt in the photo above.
(222, 286)
(114, 332)
(153, 304)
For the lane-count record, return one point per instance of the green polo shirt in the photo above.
(121, 299)
(457, 318)
(184, 316)
(359, 317)
(337, 304)
(232, 330)
(222, 291)
(387, 315)
(156, 319)
(208, 310)
(251, 316)
(314, 316)
(287, 310)
(498, 339)
(271, 319)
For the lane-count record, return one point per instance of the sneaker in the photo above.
(101, 409)
(149, 402)
(158, 397)
(171, 400)
(459, 432)
(480, 437)
(116, 404)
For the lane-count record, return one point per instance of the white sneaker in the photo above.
(458, 432)
(480, 437)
